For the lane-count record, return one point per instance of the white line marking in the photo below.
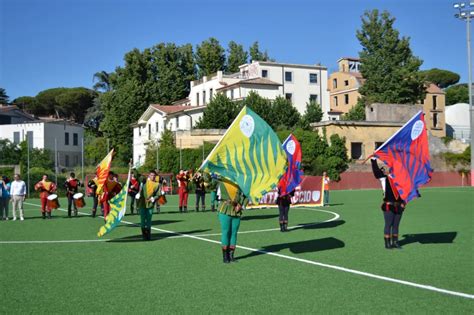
(299, 226)
(48, 242)
(310, 262)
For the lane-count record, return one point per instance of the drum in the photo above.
(162, 200)
(53, 202)
(79, 200)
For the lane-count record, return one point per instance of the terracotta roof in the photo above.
(261, 81)
(7, 108)
(349, 58)
(169, 109)
(434, 89)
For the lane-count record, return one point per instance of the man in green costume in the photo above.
(147, 196)
(233, 201)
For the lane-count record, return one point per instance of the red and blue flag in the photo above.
(407, 155)
(292, 177)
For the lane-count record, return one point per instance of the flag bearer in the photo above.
(149, 192)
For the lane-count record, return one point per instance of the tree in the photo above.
(356, 113)
(257, 55)
(3, 96)
(286, 116)
(103, 81)
(390, 70)
(94, 116)
(458, 93)
(210, 57)
(26, 103)
(261, 106)
(9, 152)
(236, 56)
(47, 103)
(220, 112)
(312, 114)
(442, 78)
(73, 103)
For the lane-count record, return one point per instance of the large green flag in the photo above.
(249, 155)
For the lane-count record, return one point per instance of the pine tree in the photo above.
(236, 56)
(210, 57)
(390, 70)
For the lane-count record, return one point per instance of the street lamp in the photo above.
(466, 12)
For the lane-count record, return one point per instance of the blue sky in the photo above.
(46, 44)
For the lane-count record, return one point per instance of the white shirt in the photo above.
(18, 188)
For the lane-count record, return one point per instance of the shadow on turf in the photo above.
(429, 238)
(154, 236)
(322, 225)
(300, 247)
(259, 217)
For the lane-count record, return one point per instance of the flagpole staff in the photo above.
(56, 159)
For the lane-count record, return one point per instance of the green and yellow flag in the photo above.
(118, 207)
(249, 155)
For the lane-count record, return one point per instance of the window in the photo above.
(377, 145)
(334, 83)
(157, 126)
(435, 120)
(29, 136)
(203, 97)
(139, 131)
(66, 138)
(177, 122)
(211, 91)
(76, 160)
(197, 99)
(313, 78)
(16, 137)
(288, 76)
(435, 102)
(288, 96)
(264, 73)
(335, 101)
(313, 98)
(346, 99)
(346, 82)
(232, 94)
(75, 139)
(66, 160)
(149, 131)
(356, 150)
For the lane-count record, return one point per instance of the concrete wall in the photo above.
(391, 112)
(191, 139)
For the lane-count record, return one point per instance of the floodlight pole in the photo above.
(466, 12)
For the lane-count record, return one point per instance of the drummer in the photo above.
(111, 188)
(72, 186)
(46, 188)
(92, 184)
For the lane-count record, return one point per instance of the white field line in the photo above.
(315, 263)
(49, 242)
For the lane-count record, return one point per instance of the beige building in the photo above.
(362, 137)
(343, 87)
(191, 139)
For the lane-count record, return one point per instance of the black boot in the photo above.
(197, 208)
(185, 209)
(231, 255)
(285, 227)
(387, 243)
(93, 213)
(148, 234)
(144, 234)
(181, 209)
(281, 227)
(213, 208)
(49, 215)
(395, 243)
(225, 255)
(44, 215)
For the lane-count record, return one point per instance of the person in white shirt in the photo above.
(18, 195)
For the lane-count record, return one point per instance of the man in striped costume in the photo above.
(149, 191)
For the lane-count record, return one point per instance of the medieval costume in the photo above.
(72, 186)
(230, 211)
(392, 207)
(149, 191)
(183, 181)
(46, 188)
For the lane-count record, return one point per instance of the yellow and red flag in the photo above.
(102, 171)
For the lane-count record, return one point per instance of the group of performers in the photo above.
(227, 198)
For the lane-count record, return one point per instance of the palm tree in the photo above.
(3, 96)
(103, 81)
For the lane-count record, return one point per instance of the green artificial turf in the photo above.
(176, 274)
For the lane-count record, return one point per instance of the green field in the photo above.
(340, 266)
